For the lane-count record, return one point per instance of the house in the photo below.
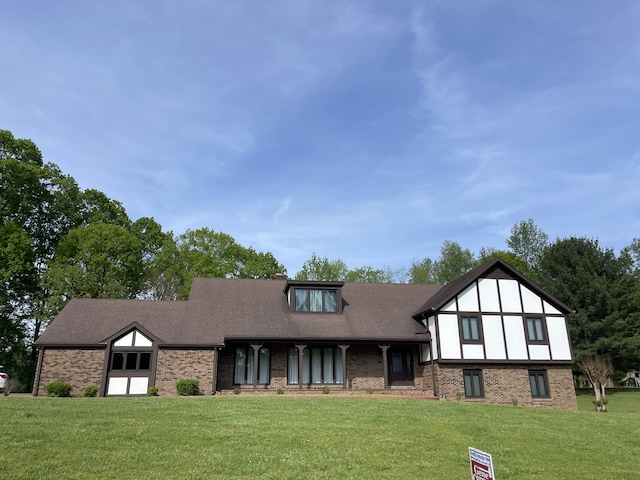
(492, 335)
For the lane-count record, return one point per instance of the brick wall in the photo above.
(364, 370)
(81, 368)
(175, 365)
(507, 385)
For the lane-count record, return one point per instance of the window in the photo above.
(130, 360)
(539, 383)
(473, 387)
(316, 300)
(320, 365)
(470, 327)
(243, 373)
(535, 329)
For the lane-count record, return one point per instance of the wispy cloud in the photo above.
(366, 131)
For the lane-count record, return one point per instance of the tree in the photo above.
(528, 242)
(96, 207)
(487, 253)
(453, 262)
(96, 261)
(599, 370)
(17, 280)
(322, 269)
(422, 271)
(606, 297)
(43, 202)
(206, 253)
(370, 275)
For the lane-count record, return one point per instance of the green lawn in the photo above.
(283, 436)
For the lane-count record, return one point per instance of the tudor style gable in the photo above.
(130, 359)
(495, 314)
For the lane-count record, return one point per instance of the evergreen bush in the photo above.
(91, 391)
(188, 386)
(58, 389)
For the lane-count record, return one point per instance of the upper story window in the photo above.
(535, 329)
(470, 328)
(316, 300)
(314, 297)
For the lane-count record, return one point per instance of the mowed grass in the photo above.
(327, 436)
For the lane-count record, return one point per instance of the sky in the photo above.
(369, 131)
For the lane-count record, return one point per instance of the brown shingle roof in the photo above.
(220, 309)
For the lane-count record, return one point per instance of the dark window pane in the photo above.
(132, 359)
(145, 361)
(470, 330)
(117, 361)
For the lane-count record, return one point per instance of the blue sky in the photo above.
(365, 131)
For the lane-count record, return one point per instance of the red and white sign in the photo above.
(481, 465)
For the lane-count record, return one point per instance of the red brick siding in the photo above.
(507, 385)
(175, 365)
(364, 370)
(81, 368)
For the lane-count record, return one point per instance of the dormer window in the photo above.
(314, 297)
(316, 300)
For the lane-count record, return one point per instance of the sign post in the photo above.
(481, 465)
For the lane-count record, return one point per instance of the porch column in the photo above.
(385, 364)
(300, 347)
(256, 352)
(344, 365)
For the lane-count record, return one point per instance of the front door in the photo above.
(400, 364)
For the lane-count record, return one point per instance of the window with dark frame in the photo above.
(473, 385)
(320, 365)
(316, 300)
(470, 326)
(535, 329)
(244, 365)
(132, 361)
(539, 383)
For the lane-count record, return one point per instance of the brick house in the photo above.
(492, 336)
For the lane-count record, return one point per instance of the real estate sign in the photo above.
(481, 465)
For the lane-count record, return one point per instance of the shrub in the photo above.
(58, 389)
(188, 386)
(152, 392)
(280, 391)
(237, 390)
(325, 390)
(91, 391)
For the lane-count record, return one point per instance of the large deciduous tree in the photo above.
(322, 269)
(206, 253)
(453, 262)
(42, 202)
(97, 261)
(527, 241)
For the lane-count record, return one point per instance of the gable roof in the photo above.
(258, 309)
(220, 310)
(495, 267)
